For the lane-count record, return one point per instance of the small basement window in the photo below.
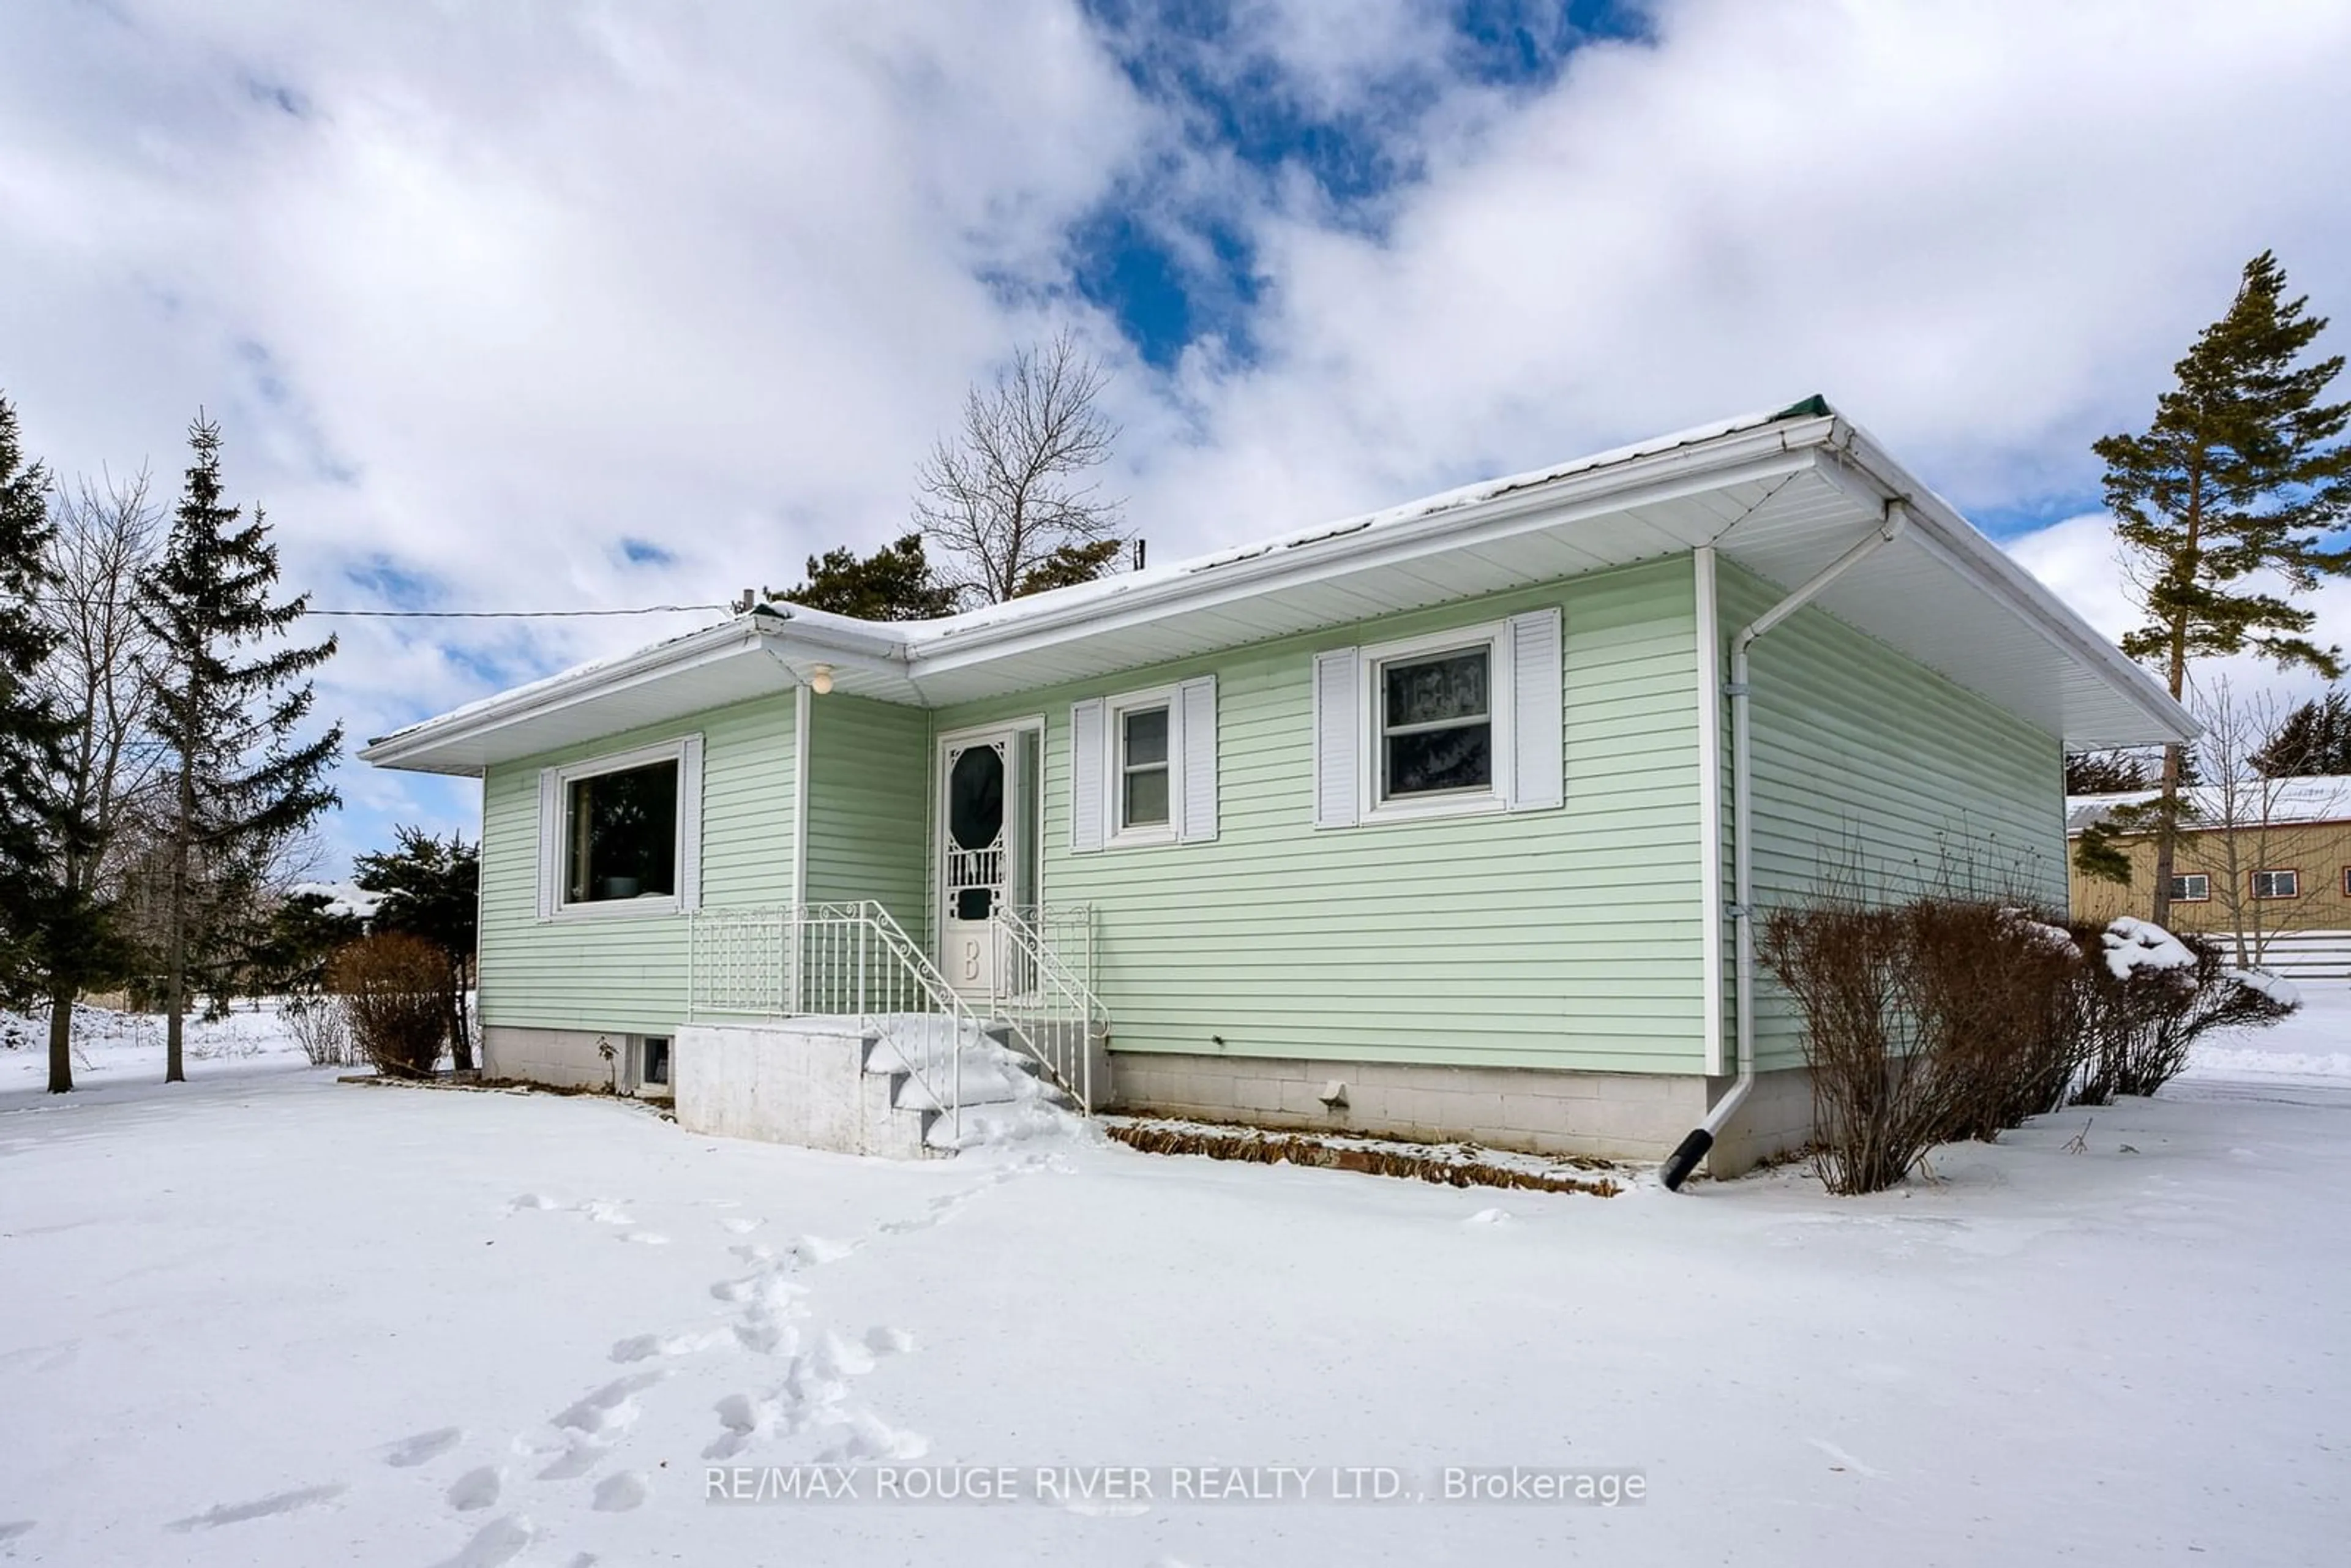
(1436, 724)
(2277, 884)
(652, 1068)
(622, 832)
(2191, 887)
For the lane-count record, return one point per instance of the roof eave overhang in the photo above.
(1938, 527)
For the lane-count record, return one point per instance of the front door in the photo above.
(988, 820)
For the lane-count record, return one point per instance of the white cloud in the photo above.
(2079, 561)
(520, 282)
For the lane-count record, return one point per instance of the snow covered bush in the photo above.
(2148, 996)
(394, 993)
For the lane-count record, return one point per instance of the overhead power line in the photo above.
(451, 614)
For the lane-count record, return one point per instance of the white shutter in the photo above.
(1197, 701)
(1338, 724)
(689, 823)
(1087, 747)
(1538, 769)
(550, 842)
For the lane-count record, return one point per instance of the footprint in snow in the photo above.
(621, 1492)
(11, 1528)
(604, 1213)
(609, 1408)
(742, 1227)
(817, 1250)
(259, 1508)
(410, 1452)
(882, 1340)
(574, 1462)
(646, 1238)
(530, 1200)
(1489, 1217)
(498, 1543)
(870, 1438)
(646, 1346)
(837, 1357)
(477, 1488)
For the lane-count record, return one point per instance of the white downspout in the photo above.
(1693, 1148)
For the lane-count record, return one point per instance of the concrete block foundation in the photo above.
(1609, 1115)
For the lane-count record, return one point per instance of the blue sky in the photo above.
(594, 307)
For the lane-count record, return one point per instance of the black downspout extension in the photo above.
(1685, 1158)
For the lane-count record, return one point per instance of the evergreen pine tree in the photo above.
(1069, 565)
(2105, 772)
(238, 780)
(2243, 472)
(30, 727)
(429, 887)
(894, 584)
(2316, 737)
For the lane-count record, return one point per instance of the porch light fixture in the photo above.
(820, 678)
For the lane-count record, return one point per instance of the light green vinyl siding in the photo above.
(1559, 938)
(868, 791)
(1870, 768)
(620, 973)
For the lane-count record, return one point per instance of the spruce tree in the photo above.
(894, 584)
(430, 888)
(2243, 477)
(238, 780)
(30, 727)
(2314, 739)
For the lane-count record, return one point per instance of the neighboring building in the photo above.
(1424, 822)
(2264, 864)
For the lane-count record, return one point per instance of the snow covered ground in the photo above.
(265, 1318)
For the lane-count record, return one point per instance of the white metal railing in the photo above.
(1044, 990)
(837, 960)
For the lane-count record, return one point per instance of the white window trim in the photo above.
(1371, 768)
(2293, 871)
(2183, 879)
(1116, 835)
(555, 860)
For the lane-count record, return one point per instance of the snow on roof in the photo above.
(921, 632)
(2318, 798)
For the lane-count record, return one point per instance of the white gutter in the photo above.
(1693, 1148)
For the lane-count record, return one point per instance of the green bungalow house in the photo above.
(1449, 821)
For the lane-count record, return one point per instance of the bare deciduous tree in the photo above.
(105, 535)
(2249, 823)
(1006, 500)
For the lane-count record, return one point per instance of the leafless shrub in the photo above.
(394, 992)
(1879, 1100)
(1985, 983)
(320, 1028)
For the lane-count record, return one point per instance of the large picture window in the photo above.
(621, 835)
(622, 832)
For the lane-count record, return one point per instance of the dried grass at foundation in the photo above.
(1459, 1165)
